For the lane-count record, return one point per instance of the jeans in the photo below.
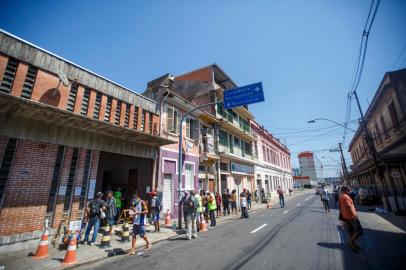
(191, 227)
(249, 202)
(226, 208)
(282, 201)
(212, 218)
(118, 213)
(93, 222)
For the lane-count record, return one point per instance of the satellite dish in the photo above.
(62, 77)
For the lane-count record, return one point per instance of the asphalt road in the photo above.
(299, 236)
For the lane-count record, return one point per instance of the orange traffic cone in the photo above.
(42, 250)
(70, 256)
(202, 225)
(168, 219)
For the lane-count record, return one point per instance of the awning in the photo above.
(16, 107)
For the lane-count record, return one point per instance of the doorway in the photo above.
(167, 194)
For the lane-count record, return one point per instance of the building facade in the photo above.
(310, 165)
(385, 170)
(65, 134)
(273, 166)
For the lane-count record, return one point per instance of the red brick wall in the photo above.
(26, 195)
(203, 75)
(19, 79)
(3, 64)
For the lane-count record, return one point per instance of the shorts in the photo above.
(354, 226)
(155, 217)
(233, 205)
(138, 230)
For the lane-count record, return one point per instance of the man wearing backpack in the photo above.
(155, 210)
(94, 210)
(190, 211)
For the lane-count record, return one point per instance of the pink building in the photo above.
(273, 167)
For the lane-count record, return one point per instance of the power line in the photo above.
(398, 58)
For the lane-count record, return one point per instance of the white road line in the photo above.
(298, 204)
(260, 227)
(308, 198)
(286, 211)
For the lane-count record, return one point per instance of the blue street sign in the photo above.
(248, 94)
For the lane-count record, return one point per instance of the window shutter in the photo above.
(195, 130)
(169, 118)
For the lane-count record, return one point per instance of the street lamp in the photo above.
(326, 119)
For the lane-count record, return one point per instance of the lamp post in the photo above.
(180, 157)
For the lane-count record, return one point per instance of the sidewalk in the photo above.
(87, 254)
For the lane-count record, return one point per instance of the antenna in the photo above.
(62, 77)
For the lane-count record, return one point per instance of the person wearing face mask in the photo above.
(139, 212)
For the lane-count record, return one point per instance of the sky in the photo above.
(304, 52)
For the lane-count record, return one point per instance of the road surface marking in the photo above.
(260, 227)
(308, 198)
(286, 211)
(298, 204)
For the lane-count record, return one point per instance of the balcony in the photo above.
(229, 122)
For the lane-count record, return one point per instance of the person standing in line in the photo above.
(226, 203)
(205, 205)
(325, 196)
(218, 204)
(139, 211)
(118, 197)
(111, 209)
(155, 210)
(212, 207)
(94, 210)
(281, 197)
(189, 211)
(249, 200)
(233, 202)
(243, 203)
(199, 211)
(349, 216)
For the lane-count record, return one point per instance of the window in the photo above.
(264, 153)
(223, 138)
(189, 176)
(71, 179)
(97, 103)
(85, 180)
(85, 102)
(224, 166)
(9, 75)
(247, 148)
(70, 106)
(378, 133)
(117, 117)
(143, 120)
(127, 115)
(54, 182)
(385, 130)
(192, 129)
(108, 109)
(172, 119)
(29, 82)
(135, 120)
(150, 122)
(6, 165)
(393, 115)
(237, 142)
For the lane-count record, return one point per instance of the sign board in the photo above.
(248, 94)
(75, 225)
(241, 168)
(395, 173)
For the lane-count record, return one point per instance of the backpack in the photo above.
(157, 205)
(189, 204)
(94, 208)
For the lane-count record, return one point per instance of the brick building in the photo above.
(66, 133)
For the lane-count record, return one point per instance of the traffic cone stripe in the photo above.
(42, 250)
(43, 243)
(71, 247)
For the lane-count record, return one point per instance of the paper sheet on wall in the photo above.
(92, 187)
(78, 190)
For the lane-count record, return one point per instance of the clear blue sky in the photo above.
(304, 52)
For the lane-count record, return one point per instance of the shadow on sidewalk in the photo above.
(379, 250)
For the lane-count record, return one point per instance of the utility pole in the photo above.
(374, 153)
(344, 165)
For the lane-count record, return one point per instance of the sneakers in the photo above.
(92, 244)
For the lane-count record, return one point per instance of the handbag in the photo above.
(340, 217)
(102, 214)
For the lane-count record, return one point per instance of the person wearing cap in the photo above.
(94, 211)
